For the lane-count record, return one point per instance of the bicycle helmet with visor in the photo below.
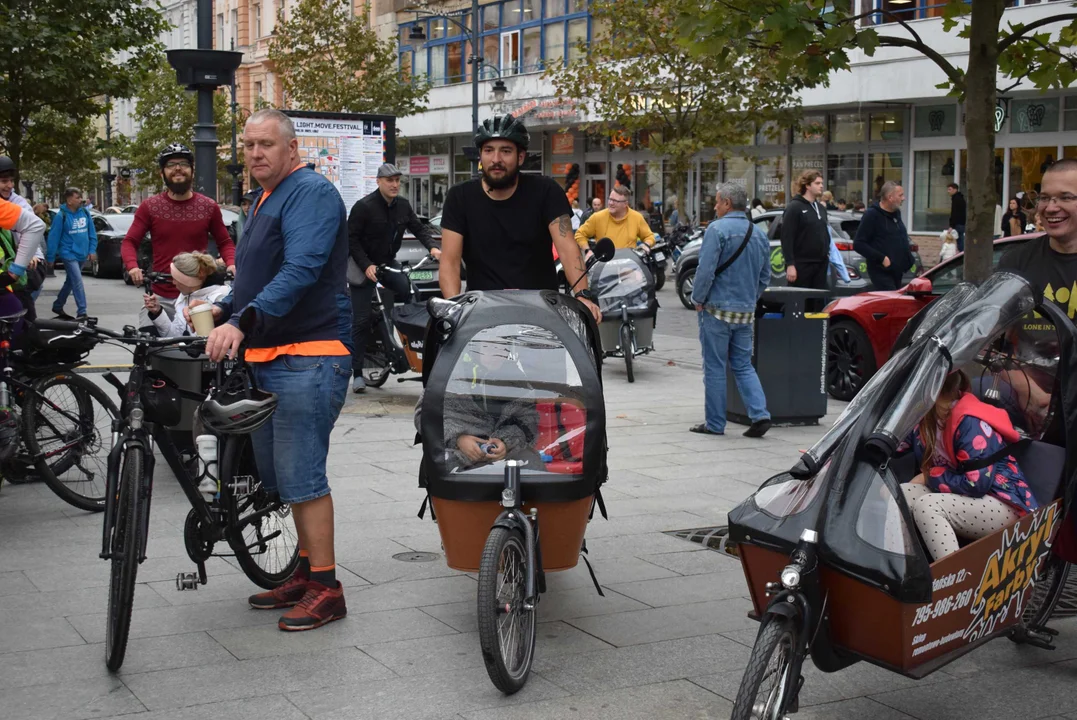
(237, 407)
(175, 150)
(503, 127)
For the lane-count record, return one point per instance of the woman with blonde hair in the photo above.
(198, 278)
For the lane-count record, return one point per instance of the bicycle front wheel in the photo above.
(506, 625)
(68, 420)
(261, 529)
(628, 348)
(768, 684)
(124, 562)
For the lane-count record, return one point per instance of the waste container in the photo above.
(789, 355)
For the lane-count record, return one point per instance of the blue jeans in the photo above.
(291, 449)
(726, 342)
(960, 230)
(72, 285)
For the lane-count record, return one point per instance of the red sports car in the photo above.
(863, 328)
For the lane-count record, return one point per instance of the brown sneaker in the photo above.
(319, 606)
(286, 595)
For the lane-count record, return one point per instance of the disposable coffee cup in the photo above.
(202, 319)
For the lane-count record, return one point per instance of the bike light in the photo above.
(136, 418)
(790, 577)
(508, 498)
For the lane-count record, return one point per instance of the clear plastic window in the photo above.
(621, 281)
(514, 394)
(784, 495)
(880, 523)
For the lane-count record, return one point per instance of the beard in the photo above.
(503, 183)
(181, 187)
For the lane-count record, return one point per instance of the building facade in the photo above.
(882, 120)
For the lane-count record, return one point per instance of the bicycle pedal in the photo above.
(242, 484)
(187, 581)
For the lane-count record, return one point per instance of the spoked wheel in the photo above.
(506, 626)
(628, 348)
(68, 423)
(376, 367)
(850, 360)
(1044, 596)
(766, 690)
(125, 541)
(261, 530)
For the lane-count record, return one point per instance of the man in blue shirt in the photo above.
(725, 302)
(74, 240)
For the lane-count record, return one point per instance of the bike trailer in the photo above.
(624, 286)
(411, 321)
(521, 367)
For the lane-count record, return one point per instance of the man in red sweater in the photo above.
(179, 220)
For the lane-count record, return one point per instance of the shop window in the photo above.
(934, 170)
(771, 181)
(437, 65)
(456, 62)
(1032, 116)
(490, 56)
(577, 35)
(420, 147)
(1027, 166)
(936, 121)
(846, 128)
(884, 168)
(812, 129)
(887, 126)
(532, 59)
(710, 174)
(1069, 114)
(770, 134)
(555, 44)
(595, 142)
(439, 146)
(437, 30)
(532, 10)
(675, 184)
(491, 18)
(803, 163)
(845, 177)
(648, 185)
(532, 163)
(555, 8)
(510, 52)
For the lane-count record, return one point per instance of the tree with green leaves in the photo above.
(167, 113)
(68, 57)
(329, 60)
(812, 39)
(633, 78)
(60, 152)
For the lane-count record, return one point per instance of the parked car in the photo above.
(111, 230)
(120, 209)
(863, 328)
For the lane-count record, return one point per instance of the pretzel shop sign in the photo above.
(548, 110)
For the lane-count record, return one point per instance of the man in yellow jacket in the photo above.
(618, 222)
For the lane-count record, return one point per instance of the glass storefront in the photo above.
(1027, 166)
(770, 181)
(935, 169)
(845, 177)
(884, 168)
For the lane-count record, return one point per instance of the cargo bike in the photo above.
(624, 289)
(833, 558)
(512, 422)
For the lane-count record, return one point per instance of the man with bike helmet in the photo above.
(501, 223)
(289, 306)
(376, 227)
(178, 220)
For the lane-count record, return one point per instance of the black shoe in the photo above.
(82, 318)
(702, 429)
(758, 429)
(61, 315)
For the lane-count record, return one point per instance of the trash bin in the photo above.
(789, 355)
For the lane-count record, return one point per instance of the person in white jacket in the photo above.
(190, 272)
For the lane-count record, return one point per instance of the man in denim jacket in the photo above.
(726, 308)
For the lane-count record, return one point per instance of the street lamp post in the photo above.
(417, 36)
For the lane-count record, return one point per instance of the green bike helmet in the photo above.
(503, 127)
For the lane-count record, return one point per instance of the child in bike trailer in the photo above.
(14, 259)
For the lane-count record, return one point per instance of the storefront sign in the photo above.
(936, 121)
(550, 109)
(439, 164)
(1000, 115)
(561, 169)
(563, 144)
(1032, 116)
(403, 164)
(420, 165)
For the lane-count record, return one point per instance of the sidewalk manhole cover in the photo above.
(416, 557)
(715, 538)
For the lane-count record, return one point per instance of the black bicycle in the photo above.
(255, 524)
(52, 421)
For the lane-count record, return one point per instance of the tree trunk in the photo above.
(980, 99)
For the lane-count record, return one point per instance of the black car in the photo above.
(843, 225)
(111, 230)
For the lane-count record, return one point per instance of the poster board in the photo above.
(347, 148)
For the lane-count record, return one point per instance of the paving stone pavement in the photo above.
(669, 640)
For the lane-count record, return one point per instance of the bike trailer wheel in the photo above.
(506, 626)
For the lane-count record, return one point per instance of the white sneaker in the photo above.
(358, 385)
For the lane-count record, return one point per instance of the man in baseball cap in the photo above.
(376, 226)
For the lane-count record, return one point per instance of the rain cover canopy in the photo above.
(515, 380)
(623, 281)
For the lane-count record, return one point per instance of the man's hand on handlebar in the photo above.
(371, 273)
(231, 269)
(136, 276)
(223, 342)
(435, 253)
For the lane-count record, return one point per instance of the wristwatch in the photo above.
(584, 294)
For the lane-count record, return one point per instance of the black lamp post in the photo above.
(417, 36)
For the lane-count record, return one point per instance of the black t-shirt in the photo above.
(507, 244)
(1054, 277)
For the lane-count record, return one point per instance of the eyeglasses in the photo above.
(1063, 199)
(173, 164)
(615, 201)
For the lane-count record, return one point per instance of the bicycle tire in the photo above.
(778, 634)
(1044, 594)
(509, 674)
(377, 367)
(124, 562)
(627, 349)
(282, 550)
(87, 441)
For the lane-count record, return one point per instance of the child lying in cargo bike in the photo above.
(968, 487)
(199, 280)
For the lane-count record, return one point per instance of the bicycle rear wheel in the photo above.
(124, 563)
(1046, 590)
(261, 531)
(506, 627)
(68, 420)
